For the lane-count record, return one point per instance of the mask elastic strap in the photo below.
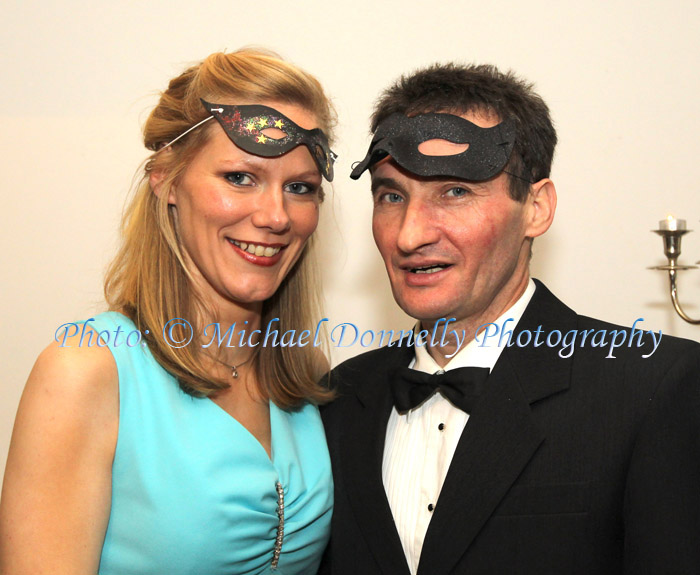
(171, 142)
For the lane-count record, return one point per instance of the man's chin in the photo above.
(426, 313)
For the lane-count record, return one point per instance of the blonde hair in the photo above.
(148, 279)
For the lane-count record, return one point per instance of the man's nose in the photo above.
(418, 227)
(271, 211)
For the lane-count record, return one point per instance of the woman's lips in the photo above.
(259, 254)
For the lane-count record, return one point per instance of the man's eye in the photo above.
(391, 198)
(300, 188)
(239, 179)
(457, 192)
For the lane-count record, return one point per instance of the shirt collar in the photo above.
(480, 352)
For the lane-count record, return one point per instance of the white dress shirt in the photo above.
(420, 444)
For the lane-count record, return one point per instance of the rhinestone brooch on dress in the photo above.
(280, 526)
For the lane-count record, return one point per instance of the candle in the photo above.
(671, 224)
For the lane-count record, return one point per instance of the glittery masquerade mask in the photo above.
(400, 136)
(266, 132)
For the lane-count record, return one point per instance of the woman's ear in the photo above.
(542, 201)
(156, 178)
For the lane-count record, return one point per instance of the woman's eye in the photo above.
(300, 188)
(457, 192)
(239, 179)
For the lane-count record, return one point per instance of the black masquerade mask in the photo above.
(400, 136)
(266, 132)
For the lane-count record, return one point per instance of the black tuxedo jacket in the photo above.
(581, 465)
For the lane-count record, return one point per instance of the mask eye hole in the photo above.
(274, 133)
(439, 147)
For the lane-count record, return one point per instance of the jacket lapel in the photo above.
(500, 436)
(361, 461)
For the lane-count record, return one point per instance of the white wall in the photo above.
(78, 77)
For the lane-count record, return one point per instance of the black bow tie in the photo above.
(462, 386)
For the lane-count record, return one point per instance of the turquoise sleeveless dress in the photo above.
(193, 492)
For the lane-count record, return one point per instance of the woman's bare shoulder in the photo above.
(80, 380)
(75, 369)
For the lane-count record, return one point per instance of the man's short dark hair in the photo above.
(460, 89)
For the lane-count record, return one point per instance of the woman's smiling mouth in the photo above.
(257, 249)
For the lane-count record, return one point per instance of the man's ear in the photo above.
(542, 203)
(155, 179)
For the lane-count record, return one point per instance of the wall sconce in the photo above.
(672, 230)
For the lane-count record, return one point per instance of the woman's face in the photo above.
(243, 219)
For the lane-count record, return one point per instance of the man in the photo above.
(568, 445)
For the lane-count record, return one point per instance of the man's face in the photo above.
(452, 249)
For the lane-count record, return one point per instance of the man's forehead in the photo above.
(482, 118)
(388, 174)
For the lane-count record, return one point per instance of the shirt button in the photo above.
(430, 507)
(441, 427)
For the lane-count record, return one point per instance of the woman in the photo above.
(172, 455)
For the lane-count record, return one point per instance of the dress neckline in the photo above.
(274, 427)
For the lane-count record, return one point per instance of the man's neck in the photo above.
(445, 339)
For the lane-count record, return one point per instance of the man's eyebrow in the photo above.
(390, 183)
